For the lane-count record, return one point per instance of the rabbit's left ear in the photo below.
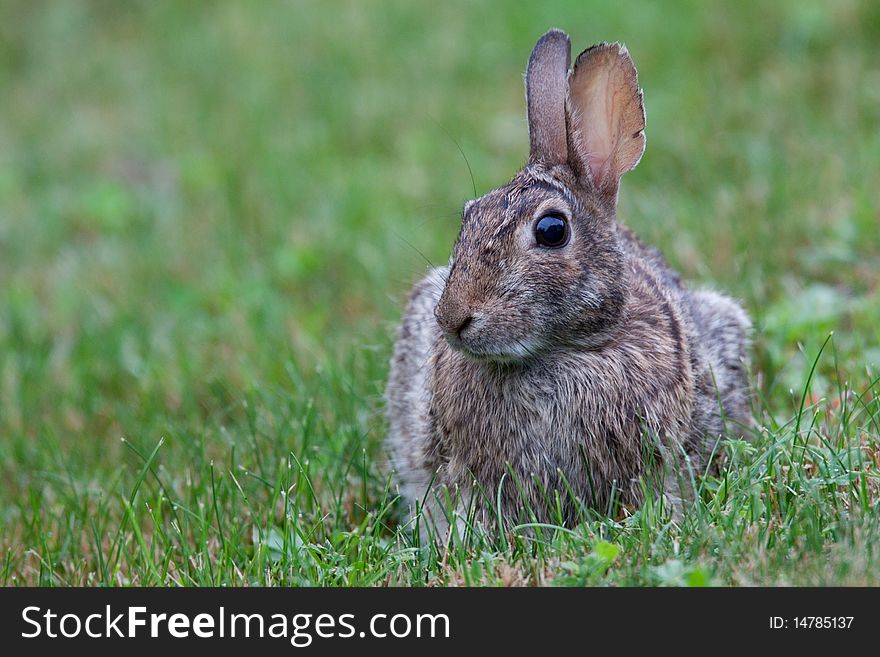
(546, 82)
(606, 116)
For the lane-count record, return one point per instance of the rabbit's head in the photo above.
(537, 263)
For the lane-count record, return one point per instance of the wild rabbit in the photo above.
(556, 353)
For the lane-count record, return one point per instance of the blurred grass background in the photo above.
(210, 214)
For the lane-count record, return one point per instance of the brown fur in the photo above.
(525, 370)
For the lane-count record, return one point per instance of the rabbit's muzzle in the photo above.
(484, 332)
(453, 319)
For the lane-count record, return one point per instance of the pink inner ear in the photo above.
(607, 113)
(597, 119)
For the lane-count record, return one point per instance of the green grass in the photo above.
(210, 215)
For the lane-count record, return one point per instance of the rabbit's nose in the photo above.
(462, 325)
(453, 321)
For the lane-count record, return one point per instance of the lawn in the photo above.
(211, 213)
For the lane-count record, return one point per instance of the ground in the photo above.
(210, 215)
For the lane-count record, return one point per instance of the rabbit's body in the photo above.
(533, 371)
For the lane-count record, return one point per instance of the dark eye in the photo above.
(551, 230)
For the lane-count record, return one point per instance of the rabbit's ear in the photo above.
(606, 116)
(545, 95)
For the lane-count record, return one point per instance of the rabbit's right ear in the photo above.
(606, 116)
(546, 87)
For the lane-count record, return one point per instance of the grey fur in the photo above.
(526, 370)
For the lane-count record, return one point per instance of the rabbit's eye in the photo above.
(551, 231)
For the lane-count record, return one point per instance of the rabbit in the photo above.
(557, 363)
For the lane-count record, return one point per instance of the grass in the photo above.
(210, 215)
